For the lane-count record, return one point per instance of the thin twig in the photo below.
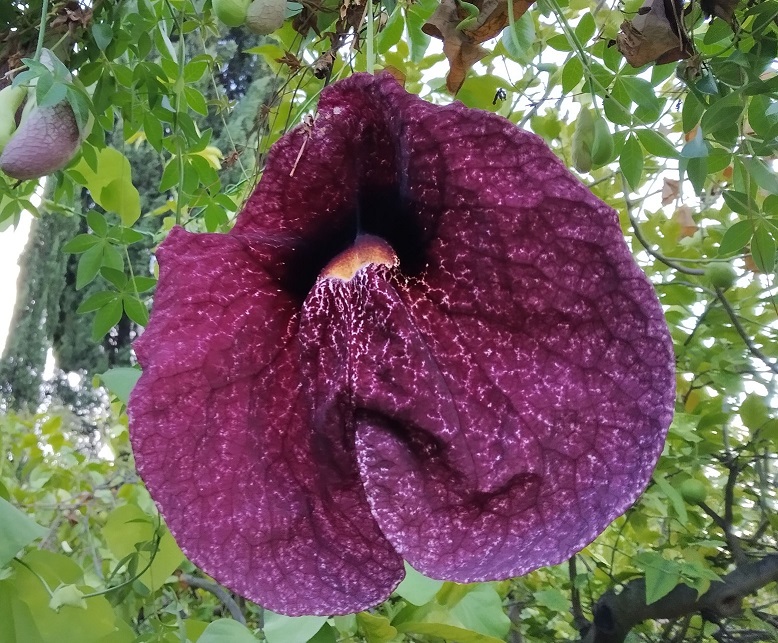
(743, 335)
(647, 246)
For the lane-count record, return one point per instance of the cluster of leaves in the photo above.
(684, 151)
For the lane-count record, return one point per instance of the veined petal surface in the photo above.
(482, 408)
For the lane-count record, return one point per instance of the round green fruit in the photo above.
(231, 12)
(693, 491)
(720, 275)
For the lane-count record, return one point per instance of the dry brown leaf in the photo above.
(670, 190)
(462, 46)
(656, 34)
(683, 217)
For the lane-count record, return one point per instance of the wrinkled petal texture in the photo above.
(485, 408)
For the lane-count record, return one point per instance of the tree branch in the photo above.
(615, 614)
(743, 334)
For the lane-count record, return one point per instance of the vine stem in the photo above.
(743, 334)
(42, 30)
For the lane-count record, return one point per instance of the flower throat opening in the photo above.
(379, 212)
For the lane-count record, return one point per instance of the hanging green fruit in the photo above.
(231, 12)
(583, 140)
(602, 145)
(11, 99)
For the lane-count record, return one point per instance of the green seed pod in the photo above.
(583, 139)
(10, 100)
(602, 146)
(265, 16)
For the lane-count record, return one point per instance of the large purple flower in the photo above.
(429, 341)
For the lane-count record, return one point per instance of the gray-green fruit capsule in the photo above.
(265, 16)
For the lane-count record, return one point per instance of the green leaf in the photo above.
(114, 276)
(226, 630)
(390, 35)
(17, 530)
(136, 310)
(89, 265)
(111, 187)
(112, 258)
(631, 162)
(519, 37)
(416, 588)
(103, 35)
(122, 197)
(97, 223)
(723, 113)
(152, 128)
(736, 237)
(718, 30)
(121, 381)
(80, 243)
(765, 178)
(673, 496)
(291, 629)
(754, 412)
(196, 100)
(763, 249)
(656, 143)
(195, 70)
(127, 528)
(143, 284)
(446, 632)
(559, 42)
(481, 610)
(375, 628)
(419, 41)
(125, 236)
(640, 91)
(90, 625)
(96, 301)
(572, 74)
(53, 94)
(662, 575)
(740, 202)
(553, 599)
(106, 318)
(16, 617)
(585, 28)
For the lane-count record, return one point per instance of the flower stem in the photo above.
(370, 38)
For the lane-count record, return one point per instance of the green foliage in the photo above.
(183, 118)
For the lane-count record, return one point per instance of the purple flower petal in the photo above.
(482, 406)
(222, 438)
